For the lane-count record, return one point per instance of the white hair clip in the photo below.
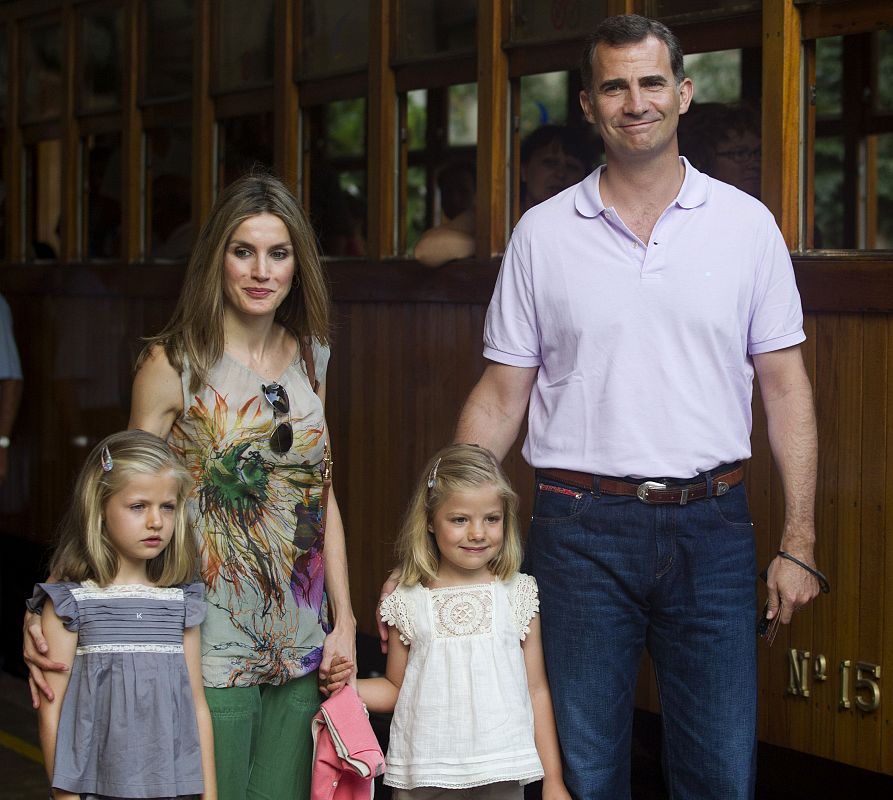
(105, 460)
(432, 476)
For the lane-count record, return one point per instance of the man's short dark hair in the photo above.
(625, 29)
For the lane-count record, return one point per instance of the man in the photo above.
(631, 312)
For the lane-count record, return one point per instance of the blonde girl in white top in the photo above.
(465, 674)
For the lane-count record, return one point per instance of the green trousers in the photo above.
(262, 743)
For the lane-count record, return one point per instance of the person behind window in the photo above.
(553, 158)
(723, 141)
(456, 182)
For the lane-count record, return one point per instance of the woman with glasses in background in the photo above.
(236, 383)
(723, 141)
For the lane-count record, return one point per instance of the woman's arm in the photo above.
(380, 694)
(544, 731)
(35, 652)
(192, 651)
(63, 644)
(157, 395)
(342, 640)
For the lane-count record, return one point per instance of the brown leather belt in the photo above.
(650, 491)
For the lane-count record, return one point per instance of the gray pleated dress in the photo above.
(127, 726)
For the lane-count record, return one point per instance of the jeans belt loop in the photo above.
(596, 486)
(708, 479)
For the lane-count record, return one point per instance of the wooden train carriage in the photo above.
(121, 120)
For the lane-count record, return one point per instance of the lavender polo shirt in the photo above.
(644, 353)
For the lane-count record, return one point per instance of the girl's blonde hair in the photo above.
(84, 551)
(195, 331)
(456, 468)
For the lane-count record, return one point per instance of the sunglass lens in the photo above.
(281, 440)
(276, 397)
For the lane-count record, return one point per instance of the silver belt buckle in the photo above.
(643, 488)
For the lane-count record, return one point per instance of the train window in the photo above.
(244, 53)
(716, 76)
(463, 115)
(168, 35)
(852, 166)
(439, 170)
(101, 198)
(99, 55)
(427, 28)
(535, 21)
(337, 167)
(883, 94)
(42, 198)
(168, 203)
(41, 72)
(334, 37)
(244, 142)
(544, 100)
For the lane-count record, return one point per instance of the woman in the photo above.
(229, 382)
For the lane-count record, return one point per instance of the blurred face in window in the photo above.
(737, 161)
(548, 171)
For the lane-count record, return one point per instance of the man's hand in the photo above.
(790, 584)
(35, 651)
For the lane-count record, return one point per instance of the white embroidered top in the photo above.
(463, 716)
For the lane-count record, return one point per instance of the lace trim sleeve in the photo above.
(395, 611)
(525, 602)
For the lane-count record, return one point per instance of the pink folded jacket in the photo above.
(346, 754)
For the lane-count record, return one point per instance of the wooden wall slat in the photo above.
(886, 710)
(826, 386)
(871, 532)
(848, 487)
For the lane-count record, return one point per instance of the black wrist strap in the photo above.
(824, 585)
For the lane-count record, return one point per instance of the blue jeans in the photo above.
(616, 575)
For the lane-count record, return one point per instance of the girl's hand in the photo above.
(35, 651)
(340, 671)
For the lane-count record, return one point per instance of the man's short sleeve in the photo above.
(776, 312)
(511, 333)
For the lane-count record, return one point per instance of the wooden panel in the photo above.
(781, 115)
(826, 383)
(872, 539)
(493, 131)
(887, 651)
(382, 133)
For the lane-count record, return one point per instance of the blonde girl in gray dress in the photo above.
(129, 718)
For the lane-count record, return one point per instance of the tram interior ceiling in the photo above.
(122, 120)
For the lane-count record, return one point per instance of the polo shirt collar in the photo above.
(693, 193)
